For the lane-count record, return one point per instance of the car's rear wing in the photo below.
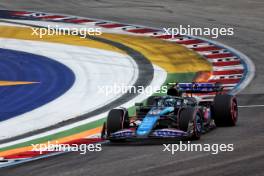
(178, 88)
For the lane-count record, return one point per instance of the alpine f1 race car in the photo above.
(179, 114)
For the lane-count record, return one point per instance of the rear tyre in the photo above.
(117, 119)
(174, 92)
(225, 112)
(190, 121)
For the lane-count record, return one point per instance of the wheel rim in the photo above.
(234, 111)
(198, 124)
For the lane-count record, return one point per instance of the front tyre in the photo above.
(190, 121)
(117, 119)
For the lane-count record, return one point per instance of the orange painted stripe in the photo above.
(14, 83)
(57, 141)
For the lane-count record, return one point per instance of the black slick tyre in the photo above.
(225, 112)
(117, 119)
(190, 121)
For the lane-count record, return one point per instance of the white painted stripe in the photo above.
(228, 85)
(226, 68)
(235, 76)
(229, 59)
(151, 34)
(10, 24)
(222, 58)
(92, 68)
(177, 39)
(250, 106)
(227, 76)
(199, 45)
(205, 53)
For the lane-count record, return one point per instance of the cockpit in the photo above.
(169, 102)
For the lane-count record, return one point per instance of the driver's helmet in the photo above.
(160, 103)
(169, 102)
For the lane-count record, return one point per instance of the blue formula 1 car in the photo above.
(178, 114)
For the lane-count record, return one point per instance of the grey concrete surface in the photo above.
(247, 18)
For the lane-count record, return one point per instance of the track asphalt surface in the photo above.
(246, 17)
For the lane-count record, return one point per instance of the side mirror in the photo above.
(138, 104)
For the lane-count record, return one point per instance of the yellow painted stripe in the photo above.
(170, 56)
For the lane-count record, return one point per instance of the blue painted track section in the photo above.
(54, 80)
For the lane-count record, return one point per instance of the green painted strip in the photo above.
(180, 77)
(174, 77)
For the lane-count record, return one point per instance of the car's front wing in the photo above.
(159, 133)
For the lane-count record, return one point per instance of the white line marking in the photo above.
(250, 106)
